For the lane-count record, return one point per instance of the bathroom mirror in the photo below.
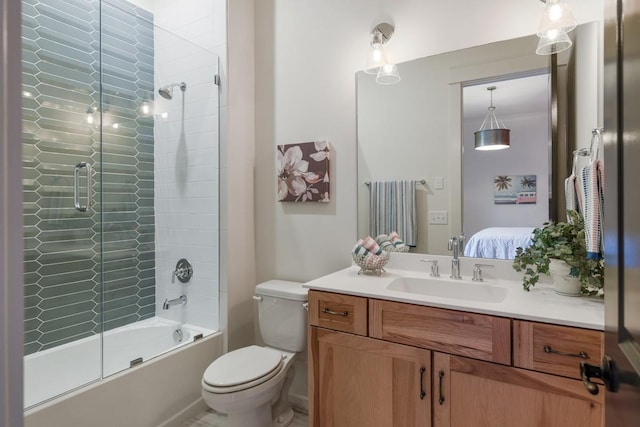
(422, 129)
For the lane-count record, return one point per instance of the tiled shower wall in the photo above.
(61, 110)
(186, 154)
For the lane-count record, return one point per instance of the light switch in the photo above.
(438, 217)
(438, 183)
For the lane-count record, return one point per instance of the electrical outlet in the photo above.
(438, 217)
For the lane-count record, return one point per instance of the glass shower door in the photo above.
(61, 144)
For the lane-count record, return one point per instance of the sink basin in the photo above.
(449, 288)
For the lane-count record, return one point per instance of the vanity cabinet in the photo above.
(361, 381)
(555, 349)
(468, 392)
(381, 363)
(457, 332)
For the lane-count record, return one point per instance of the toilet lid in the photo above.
(245, 365)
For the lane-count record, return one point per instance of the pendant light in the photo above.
(492, 135)
(377, 62)
(557, 21)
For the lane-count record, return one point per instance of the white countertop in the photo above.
(540, 304)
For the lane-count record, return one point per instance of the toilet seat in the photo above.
(242, 369)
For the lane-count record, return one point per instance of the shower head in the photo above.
(167, 91)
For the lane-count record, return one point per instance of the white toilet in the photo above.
(251, 384)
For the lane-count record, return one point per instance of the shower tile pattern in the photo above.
(62, 76)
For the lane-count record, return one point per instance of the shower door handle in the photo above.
(76, 190)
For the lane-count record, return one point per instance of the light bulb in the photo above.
(555, 12)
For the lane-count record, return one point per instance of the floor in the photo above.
(212, 419)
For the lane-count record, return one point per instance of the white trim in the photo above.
(11, 282)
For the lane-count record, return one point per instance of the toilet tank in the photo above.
(281, 314)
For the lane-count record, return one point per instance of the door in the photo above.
(469, 392)
(363, 382)
(622, 228)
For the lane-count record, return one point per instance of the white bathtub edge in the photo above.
(150, 394)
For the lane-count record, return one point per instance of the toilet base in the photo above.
(272, 398)
(284, 419)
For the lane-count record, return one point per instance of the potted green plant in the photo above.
(556, 246)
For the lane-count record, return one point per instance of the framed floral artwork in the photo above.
(303, 172)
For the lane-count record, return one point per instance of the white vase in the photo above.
(564, 283)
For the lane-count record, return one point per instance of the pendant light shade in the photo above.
(388, 74)
(557, 19)
(376, 59)
(549, 46)
(493, 134)
(377, 62)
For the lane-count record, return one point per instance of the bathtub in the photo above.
(55, 371)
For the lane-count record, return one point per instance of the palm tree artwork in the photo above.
(515, 189)
(502, 182)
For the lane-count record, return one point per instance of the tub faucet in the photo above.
(454, 245)
(171, 302)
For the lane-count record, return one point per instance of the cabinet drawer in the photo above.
(555, 349)
(456, 332)
(340, 312)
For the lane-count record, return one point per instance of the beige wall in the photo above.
(237, 235)
(307, 54)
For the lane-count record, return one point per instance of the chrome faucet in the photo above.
(477, 272)
(454, 245)
(171, 302)
(434, 267)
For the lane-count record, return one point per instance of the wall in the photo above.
(237, 163)
(305, 90)
(528, 155)
(187, 157)
(61, 84)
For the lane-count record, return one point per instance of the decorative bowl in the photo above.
(370, 262)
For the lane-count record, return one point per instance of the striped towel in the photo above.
(358, 249)
(571, 195)
(392, 206)
(384, 242)
(369, 244)
(395, 239)
(593, 187)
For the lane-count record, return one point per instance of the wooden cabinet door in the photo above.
(364, 382)
(471, 393)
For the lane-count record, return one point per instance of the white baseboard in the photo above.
(299, 403)
(190, 411)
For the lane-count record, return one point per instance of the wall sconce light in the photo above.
(493, 134)
(557, 20)
(377, 62)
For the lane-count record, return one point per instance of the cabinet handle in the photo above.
(582, 354)
(440, 375)
(422, 392)
(335, 313)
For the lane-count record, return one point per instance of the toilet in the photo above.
(251, 384)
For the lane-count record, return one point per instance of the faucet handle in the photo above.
(453, 241)
(477, 271)
(435, 272)
(462, 240)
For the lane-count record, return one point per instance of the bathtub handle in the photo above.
(305, 306)
(257, 298)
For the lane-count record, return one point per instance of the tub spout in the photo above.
(171, 302)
